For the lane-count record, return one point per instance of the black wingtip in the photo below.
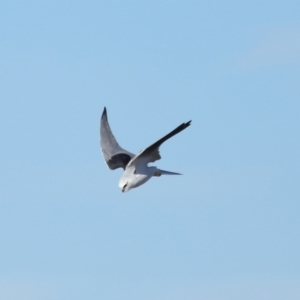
(187, 124)
(104, 112)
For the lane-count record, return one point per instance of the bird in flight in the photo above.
(136, 169)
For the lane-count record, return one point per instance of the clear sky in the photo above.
(226, 230)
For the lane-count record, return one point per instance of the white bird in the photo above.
(136, 169)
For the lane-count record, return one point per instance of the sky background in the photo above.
(226, 230)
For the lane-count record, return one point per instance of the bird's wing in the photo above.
(151, 153)
(115, 156)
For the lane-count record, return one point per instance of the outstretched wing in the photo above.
(151, 153)
(115, 156)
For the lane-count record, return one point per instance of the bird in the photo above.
(136, 169)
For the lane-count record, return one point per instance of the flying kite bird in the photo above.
(136, 169)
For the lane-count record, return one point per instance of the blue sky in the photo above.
(228, 228)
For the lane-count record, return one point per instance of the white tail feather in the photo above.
(162, 172)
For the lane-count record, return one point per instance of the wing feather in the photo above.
(114, 155)
(151, 153)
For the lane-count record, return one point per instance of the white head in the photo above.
(132, 179)
(125, 184)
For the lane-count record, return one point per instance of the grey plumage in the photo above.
(114, 155)
(136, 169)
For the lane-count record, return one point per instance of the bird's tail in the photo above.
(162, 172)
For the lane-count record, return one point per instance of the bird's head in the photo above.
(124, 185)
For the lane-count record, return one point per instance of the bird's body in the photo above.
(138, 176)
(136, 169)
